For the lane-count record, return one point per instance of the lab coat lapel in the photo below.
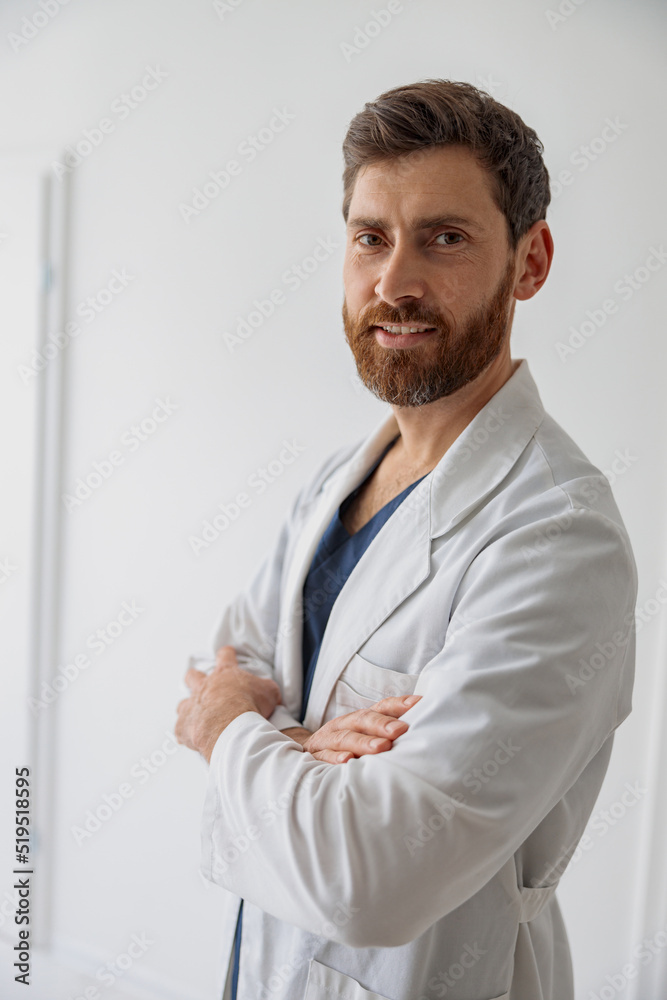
(392, 567)
(485, 451)
(398, 559)
(334, 490)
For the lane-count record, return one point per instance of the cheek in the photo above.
(452, 291)
(358, 281)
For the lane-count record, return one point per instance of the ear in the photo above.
(533, 260)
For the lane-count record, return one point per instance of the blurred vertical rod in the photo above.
(46, 575)
(650, 907)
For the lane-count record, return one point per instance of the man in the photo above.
(466, 553)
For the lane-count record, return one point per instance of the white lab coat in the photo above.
(502, 590)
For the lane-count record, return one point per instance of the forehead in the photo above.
(443, 179)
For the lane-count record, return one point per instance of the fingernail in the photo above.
(342, 757)
(376, 743)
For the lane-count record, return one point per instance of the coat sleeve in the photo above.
(512, 712)
(250, 622)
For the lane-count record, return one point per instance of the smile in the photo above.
(404, 336)
(405, 329)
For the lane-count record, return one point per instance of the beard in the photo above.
(450, 358)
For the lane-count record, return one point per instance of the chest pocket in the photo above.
(328, 984)
(362, 683)
(325, 982)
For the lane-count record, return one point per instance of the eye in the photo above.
(372, 236)
(454, 237)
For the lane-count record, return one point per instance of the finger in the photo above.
(332, 756)
(347, 741)
(194, 678)
(372, 723)
(183, 738)
(274, 688)
(226, 657)
(396, 705)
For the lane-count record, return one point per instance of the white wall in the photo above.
(162, 337)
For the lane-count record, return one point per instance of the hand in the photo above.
(217, 698)
(264, 692)
(352, 735)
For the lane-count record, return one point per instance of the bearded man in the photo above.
(413, 704)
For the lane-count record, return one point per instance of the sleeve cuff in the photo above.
(282, 719)
(252, 723)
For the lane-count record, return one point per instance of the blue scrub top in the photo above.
(336, 556)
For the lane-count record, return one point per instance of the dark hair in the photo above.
(445, 112)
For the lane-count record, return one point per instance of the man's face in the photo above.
(426, 246)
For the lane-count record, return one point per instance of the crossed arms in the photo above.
(401, 838)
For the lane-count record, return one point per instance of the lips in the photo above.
(397, 329)
(399, 340)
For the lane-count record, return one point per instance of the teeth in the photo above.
(405, 329)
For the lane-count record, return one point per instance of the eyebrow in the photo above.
(426, 222)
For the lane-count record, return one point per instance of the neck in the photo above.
(428, 431)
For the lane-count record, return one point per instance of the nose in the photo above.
(401, 278)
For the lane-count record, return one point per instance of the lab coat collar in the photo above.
(476, 462)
